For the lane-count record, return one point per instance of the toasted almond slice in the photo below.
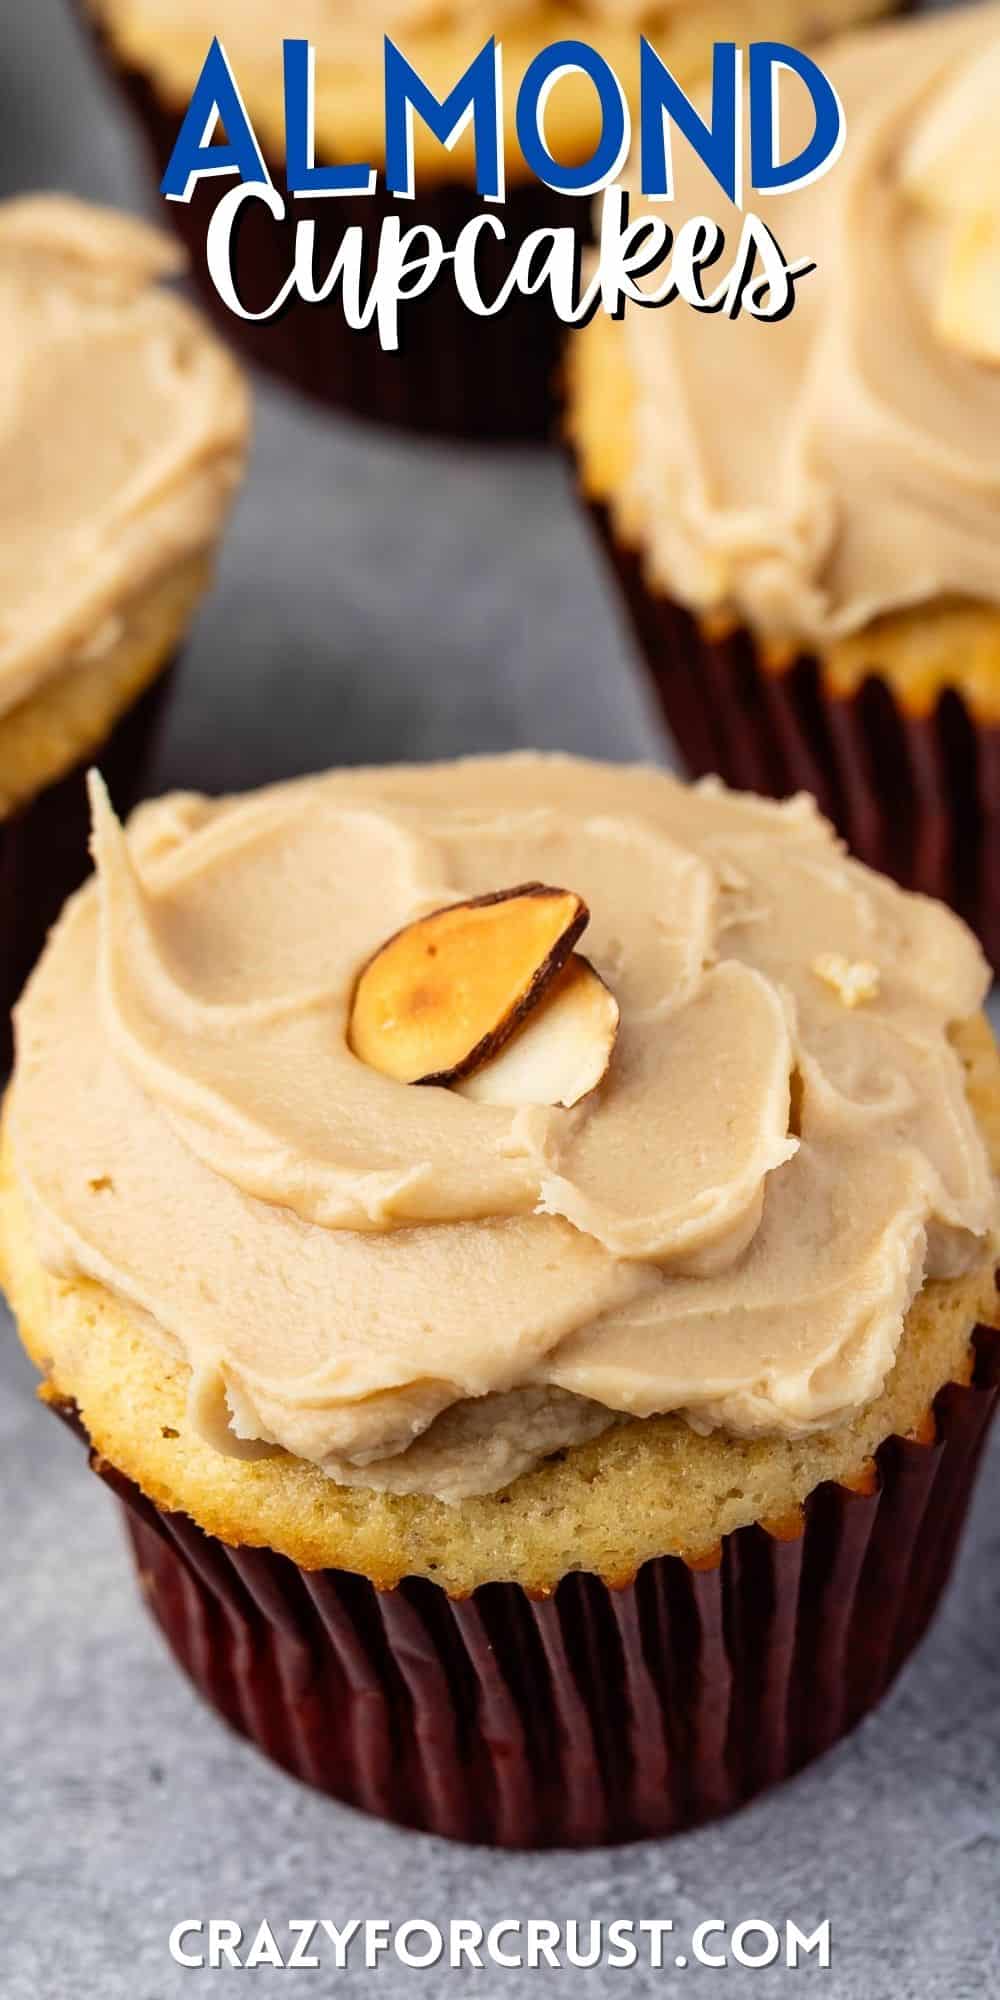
(443, 995)
(967, 316)
(561, 1052)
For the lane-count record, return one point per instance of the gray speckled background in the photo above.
(378, 599)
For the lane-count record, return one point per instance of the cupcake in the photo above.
(520, 1237)
(454, 374)
(804, 516)
(122, 437)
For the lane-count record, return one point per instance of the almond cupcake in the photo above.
(454, 374)
(805, 516)
(520, 1238)
(122, 437)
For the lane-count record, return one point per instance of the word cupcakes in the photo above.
(576, 65)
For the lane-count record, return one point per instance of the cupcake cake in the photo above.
(454, 374)
(520, 1238)
(122, 436)
(805, 516)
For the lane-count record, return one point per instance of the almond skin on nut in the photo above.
(443, 996)
(560, 1053)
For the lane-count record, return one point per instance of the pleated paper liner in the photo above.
(596, 1714)
(454, 375)
(916, 796)
(44, 846)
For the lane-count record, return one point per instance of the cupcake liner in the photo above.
(916, 796)
(454, 375)
(44, 845)
(596, 1714)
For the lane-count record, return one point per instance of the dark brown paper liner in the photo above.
(454, 375)
(597, 1714)
(44, 852)
(917, 796)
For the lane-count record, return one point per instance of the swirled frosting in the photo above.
(420, 1291)
(249, 28)
(249, 25)
(862, 474)
(123, 427)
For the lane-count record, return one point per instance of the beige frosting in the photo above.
(247, 27)
(123, 426)
(251, 30)
(416, 1290)
(859, 471)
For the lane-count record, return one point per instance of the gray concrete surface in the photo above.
(377, 600)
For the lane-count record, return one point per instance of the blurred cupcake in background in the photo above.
(805, 516)
(123, 429)
(454, 374)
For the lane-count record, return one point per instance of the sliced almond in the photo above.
(967, 315)
(443, 995)
(560, 1053)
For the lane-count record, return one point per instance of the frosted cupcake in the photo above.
(454, 374)
(122, 436)
(520, 1236)
(805, 516)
